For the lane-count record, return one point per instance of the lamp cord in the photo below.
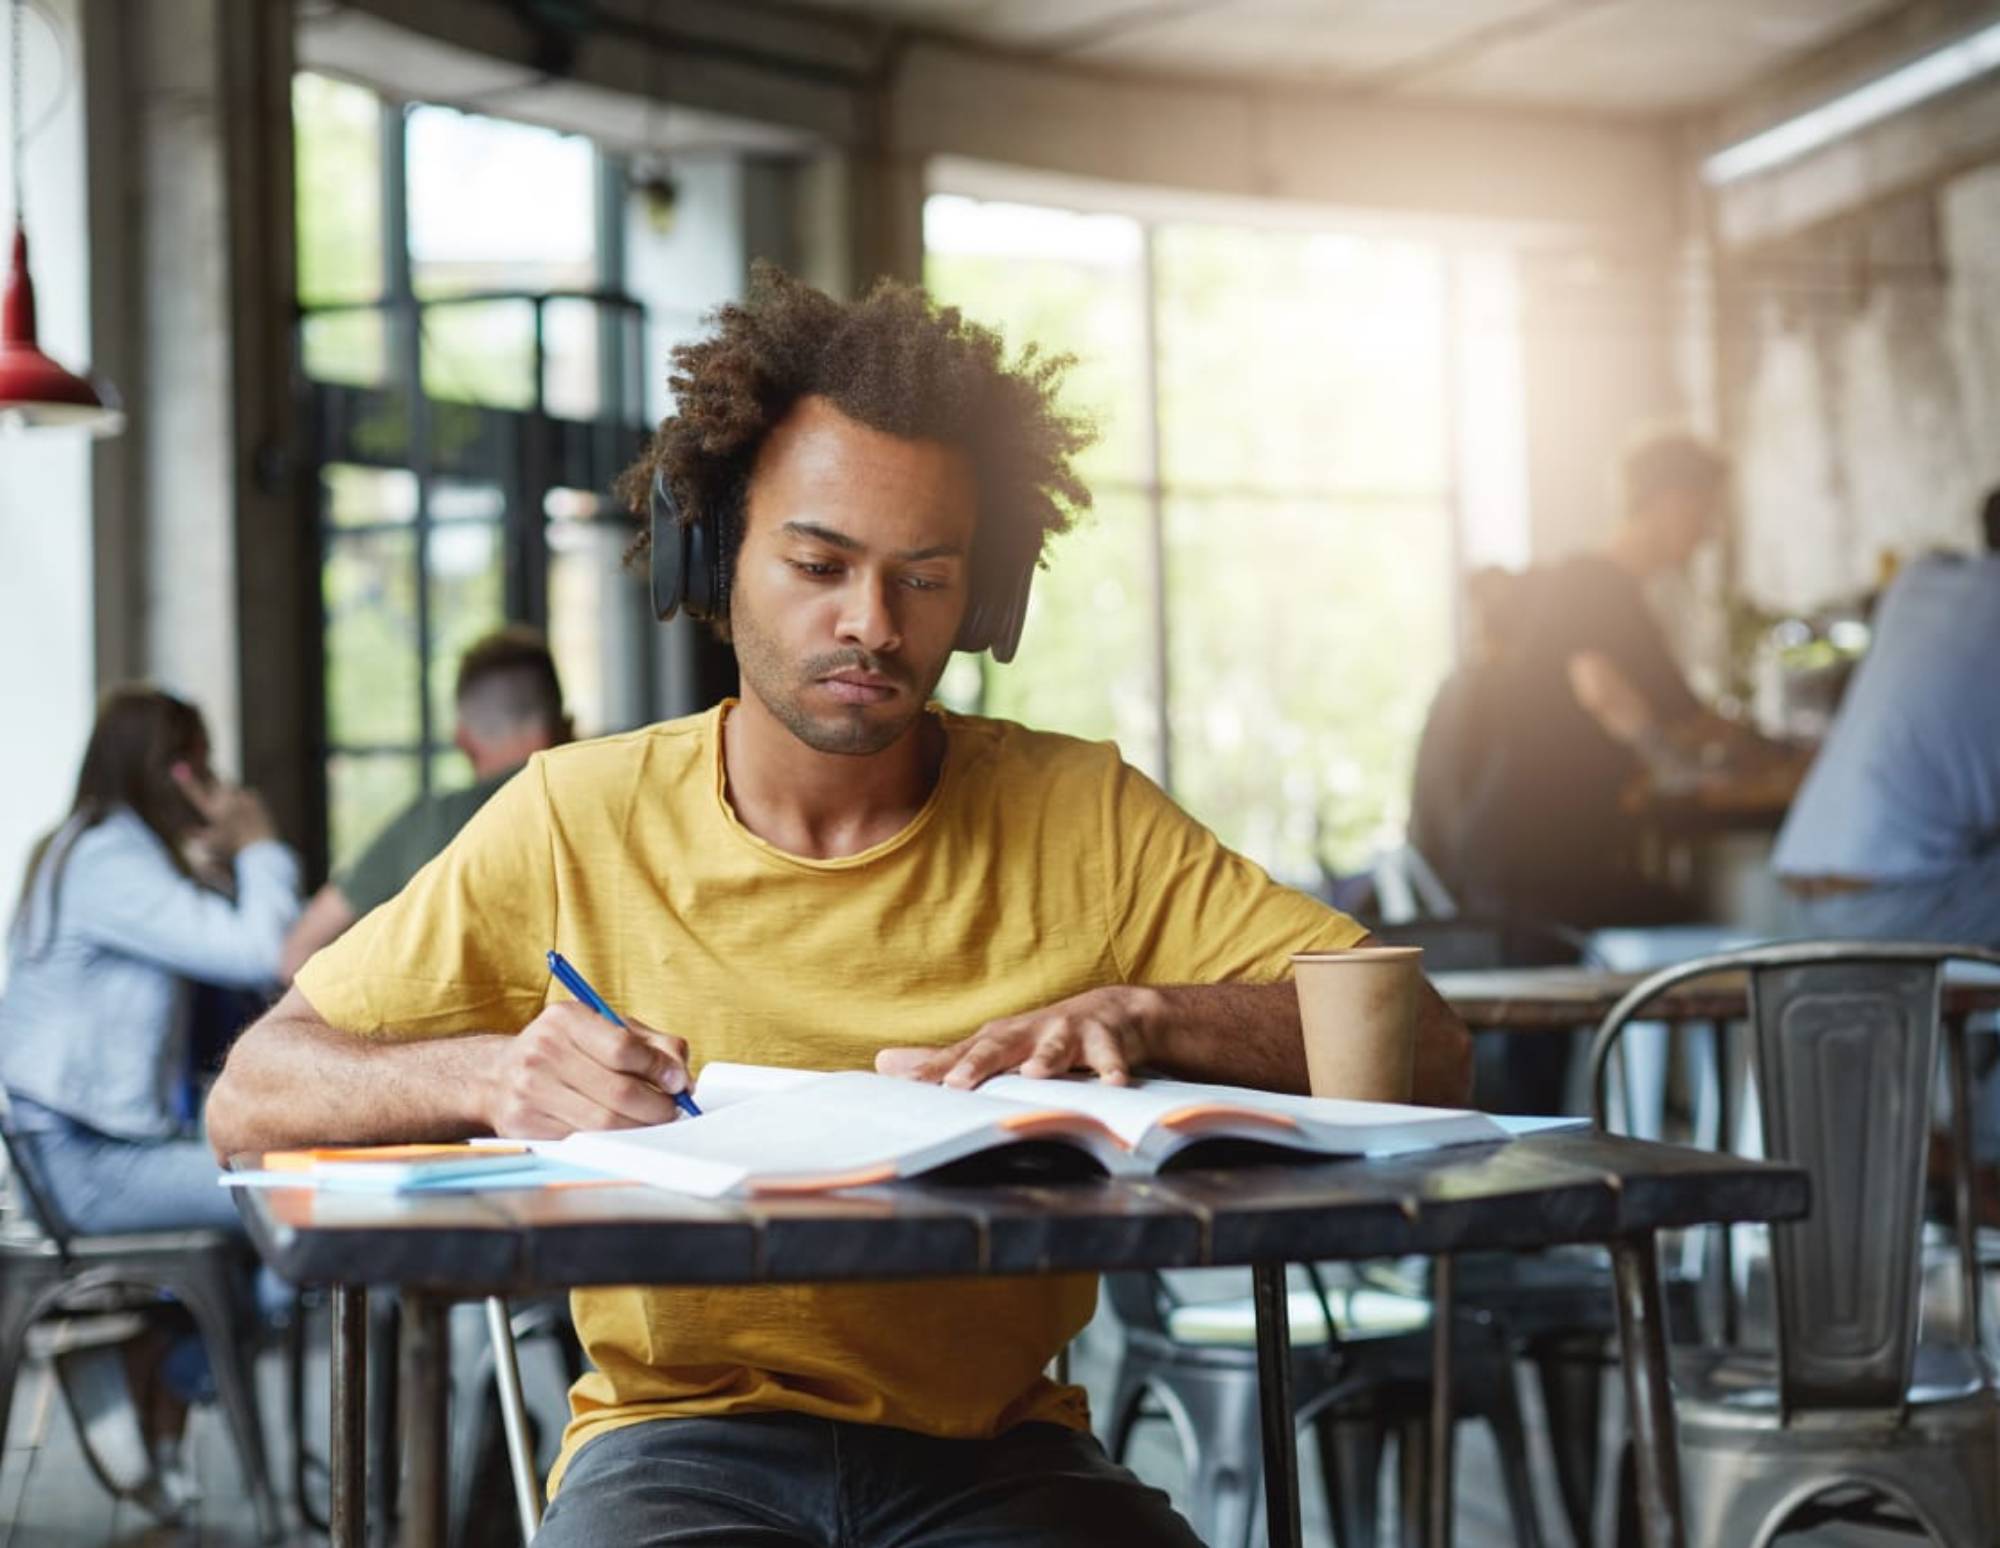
(21, 133)
(17, 10)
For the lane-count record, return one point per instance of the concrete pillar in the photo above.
(46, 699)
(206, 548)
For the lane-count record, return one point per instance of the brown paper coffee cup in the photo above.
(1358, 1009)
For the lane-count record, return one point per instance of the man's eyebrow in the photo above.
(812, 529)
(935, 551)
(838, 539)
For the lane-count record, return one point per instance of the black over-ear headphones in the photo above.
(687, 574)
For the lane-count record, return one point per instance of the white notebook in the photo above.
(772, 1131)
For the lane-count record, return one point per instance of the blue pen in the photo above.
(574, 982)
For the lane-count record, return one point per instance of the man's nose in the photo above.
(868, 616)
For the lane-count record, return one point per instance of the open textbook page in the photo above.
(822, 1132)
(1156, 1119)
(769, 1131)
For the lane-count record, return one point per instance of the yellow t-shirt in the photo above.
(1041, 866)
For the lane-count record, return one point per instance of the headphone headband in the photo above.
(686, 559)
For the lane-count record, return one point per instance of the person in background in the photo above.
(160, 875)
(1586, 698)
(112, 927)
(1452, 751)
(1896, 832)
(510, 706)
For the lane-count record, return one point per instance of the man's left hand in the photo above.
(1104, 1031)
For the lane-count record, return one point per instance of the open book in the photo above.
(774, 1131)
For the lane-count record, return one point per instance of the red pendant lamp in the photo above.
(35, 392)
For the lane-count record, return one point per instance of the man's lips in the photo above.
(860, 687)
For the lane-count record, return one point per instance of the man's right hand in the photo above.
(570, 1069)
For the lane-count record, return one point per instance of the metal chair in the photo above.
(1849, 1407)
(47, 1274)
(495, 1372)
(1361, 1369)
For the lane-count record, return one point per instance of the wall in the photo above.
(1866, 374)
(1859, 334)
(45, 484)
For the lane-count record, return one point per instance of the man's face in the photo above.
(1685, 519)
(852, 577)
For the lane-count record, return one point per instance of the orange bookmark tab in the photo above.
(306, 1160)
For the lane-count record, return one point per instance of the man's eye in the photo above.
(923, 583)
(817, 571)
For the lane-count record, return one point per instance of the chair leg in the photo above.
(1572, 1383)
(1625, 1501)
(205, 1288)
(303, 1458)
(1226, 1471)
(1127, 1394)
(385, 1452)
(20, 1300)
(1510, 1435)
(1350, 1460)
(1413, 1455)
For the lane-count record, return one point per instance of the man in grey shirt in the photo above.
(1896, 833)
(510, 706)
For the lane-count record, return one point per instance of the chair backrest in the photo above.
(22, 1167)
(1407, 886)
(1140, 1298)
(1845, 1049)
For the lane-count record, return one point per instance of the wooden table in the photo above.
(1566, 999)
(1551, 1189)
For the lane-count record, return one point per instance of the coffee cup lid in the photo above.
(1359, 954)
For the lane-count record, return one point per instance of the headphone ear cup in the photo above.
(994, 616)
(686, 569)
(1012, 615)
(973, 630)
(703, 582)
(667, 550)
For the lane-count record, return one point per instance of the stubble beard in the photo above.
(849, 730)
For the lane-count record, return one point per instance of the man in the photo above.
(1896, 832)
(1587, 697)
(829, 873)
(510, 707)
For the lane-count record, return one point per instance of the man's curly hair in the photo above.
(895, 361)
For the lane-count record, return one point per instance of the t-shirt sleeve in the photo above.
(1182, 908)
(462, 947)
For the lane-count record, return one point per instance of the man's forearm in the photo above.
(294, 1082)
(1442, 1076)
(1249, 1035)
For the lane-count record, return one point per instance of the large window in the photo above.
(471, 393)
(1264, 593)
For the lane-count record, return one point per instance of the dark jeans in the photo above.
(787, 1480)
